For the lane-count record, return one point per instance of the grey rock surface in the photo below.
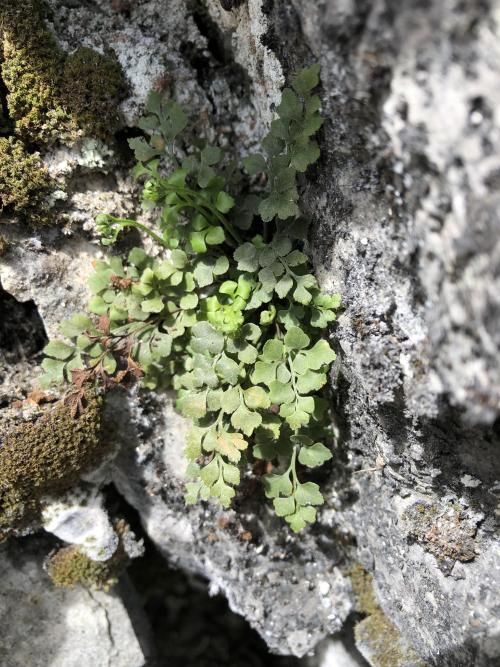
(407, 232)
(43, 626)
(289, 590)
(405, 211)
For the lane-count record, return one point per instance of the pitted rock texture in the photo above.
(289, 590)
(405, 231)
(44, 626)
(404, 204)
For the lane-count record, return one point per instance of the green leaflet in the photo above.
(289, 146)
(228, 313)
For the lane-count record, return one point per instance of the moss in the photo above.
(382, 639)
(46, 456)
(31, 71)
(362, 585)
(24, 181)
(70, 566)
(48, 96)
(51, 96)
(91, 87)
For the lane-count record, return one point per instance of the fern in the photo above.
(230, 319)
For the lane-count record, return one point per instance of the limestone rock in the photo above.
(44, 626)
(289, 590)
(404, 204)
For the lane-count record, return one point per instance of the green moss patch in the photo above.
(70, 566)
(381, 638)
(31, 72)
(50, 95)
(46, 456)
(91, 87)
(24, 181)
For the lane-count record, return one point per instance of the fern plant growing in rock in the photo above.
(230, 317)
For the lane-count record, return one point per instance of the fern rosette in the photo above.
(230, 318)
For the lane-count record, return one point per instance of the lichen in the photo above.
(382, 639)
(46, 456)
(70, 566)
(24, 181)
(52, 96)
(444, 531)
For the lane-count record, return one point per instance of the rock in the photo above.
(289, 590)
(44, 626)
(338, 652)
(83, 521)
(407, 231)
(404, 204)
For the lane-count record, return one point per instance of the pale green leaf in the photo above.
(255, 164)
(210, 473)
(224, 202)
(192, 492)
(308, 494)
(230, 400)
(231, 445)
(273, 350)
(296, 339)
(227, 369)
(247, 257)
(306, 79)
(283, 286)
(76, 325)
(276, 485)
(58, 350)
(193, 405)
(206, 339)
(284, 506)
(310, 381)
(245, 420)
(154, 305)
(315, 455)
(320, 354)
(280, 392)
(256, 398)
(263, 373)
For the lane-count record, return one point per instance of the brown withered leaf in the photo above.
(81, 375)
(121, 375)
(76, 402)
(223, 522)
(40, 397)
(123, 346)
(103, 324)
(120, 283)
(134, 368)
(262, 467)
